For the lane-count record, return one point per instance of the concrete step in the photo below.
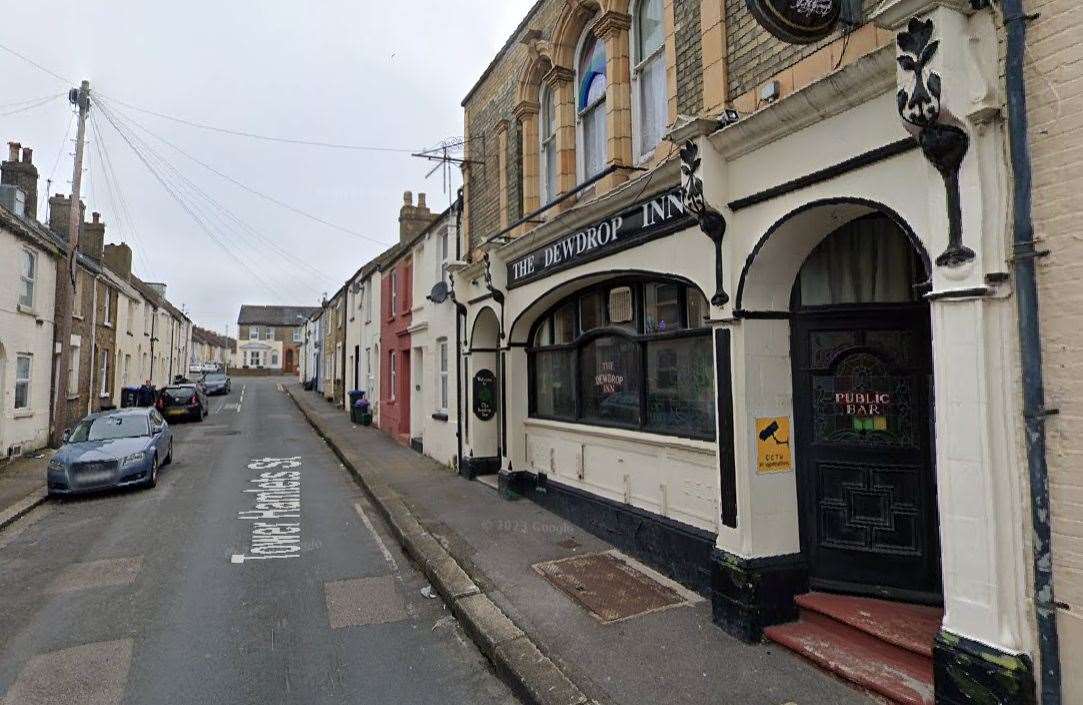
(883, 647)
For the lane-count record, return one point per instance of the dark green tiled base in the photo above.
(750, 594)
(969, 673)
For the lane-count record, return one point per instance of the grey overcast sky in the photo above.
(384, 74)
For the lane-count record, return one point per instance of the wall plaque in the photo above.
(797, 21)
(661, 215)
(484, 395)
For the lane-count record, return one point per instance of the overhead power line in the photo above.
(266, 138)
(36, 65)
(32, 106)
(293, 209)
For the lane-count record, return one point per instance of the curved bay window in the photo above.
(590, 105)
(632, 354)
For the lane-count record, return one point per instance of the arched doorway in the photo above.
(862, 382)
(484, 387)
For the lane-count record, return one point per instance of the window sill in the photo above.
(28, 310)
(23, 414)
(440, 416)
(73, 397)
(644, 437)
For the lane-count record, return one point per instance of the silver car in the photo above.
(112, 449)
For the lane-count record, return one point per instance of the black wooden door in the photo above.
(866, 479)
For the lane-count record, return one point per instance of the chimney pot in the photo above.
(13, 151)
(28, 155)
(97, 217)
(408, 198)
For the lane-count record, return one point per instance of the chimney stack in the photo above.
(59, 215)
(119, 259)
(413, 219)
(22, 174)
(92, 239)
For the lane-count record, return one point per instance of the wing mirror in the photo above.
(67, 435)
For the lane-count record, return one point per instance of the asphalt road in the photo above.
(209, 589)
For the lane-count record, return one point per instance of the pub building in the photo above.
(769, 349)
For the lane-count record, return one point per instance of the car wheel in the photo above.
(152, 481)
(169, 454)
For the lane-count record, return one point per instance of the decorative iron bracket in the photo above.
(498, 295)
(944, 145)
(710, 220)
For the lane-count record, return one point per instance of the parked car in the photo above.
(188, 400)
(112, 449)
(216, 383)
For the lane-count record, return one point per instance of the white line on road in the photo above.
(241, 401)
(379, 541)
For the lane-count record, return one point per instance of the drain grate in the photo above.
(608, 587)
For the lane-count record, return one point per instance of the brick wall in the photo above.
(1055, 101)
(686, 20)
(755, 55)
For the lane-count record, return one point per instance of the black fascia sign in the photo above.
(655, 217)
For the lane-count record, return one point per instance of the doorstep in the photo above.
(881, 646)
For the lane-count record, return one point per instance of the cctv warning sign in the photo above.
(773, 445)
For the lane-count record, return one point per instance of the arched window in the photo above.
(649, 76)
(590, 104)
(548, 133)
(630, 353)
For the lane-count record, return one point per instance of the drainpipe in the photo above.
(1030, 351)
(459, 316)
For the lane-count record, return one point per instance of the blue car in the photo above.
(112, 449)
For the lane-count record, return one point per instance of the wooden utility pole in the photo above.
(65, 299)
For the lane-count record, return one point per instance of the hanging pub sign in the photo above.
(485, 395)
(797, 21)
(655, 217)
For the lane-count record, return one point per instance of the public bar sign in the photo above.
(485, 395)
(797, 21)
(655, 217)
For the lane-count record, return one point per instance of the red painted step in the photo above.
(883, 647)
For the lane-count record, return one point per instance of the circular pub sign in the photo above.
(797, 21)
(485, 395)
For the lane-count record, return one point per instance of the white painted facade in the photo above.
(433, 402)
(979, 471)
(127, 364)
(26, 337)
(363, 336)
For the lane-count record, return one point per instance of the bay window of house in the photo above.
(23, 369)
(548, 162)
(28, 268)
(633, 354)
(590, 106)
(649, 77)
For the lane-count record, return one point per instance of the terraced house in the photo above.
(746, 293)
(270, 337)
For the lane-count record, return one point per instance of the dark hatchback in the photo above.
(183, 401)
(216, 383)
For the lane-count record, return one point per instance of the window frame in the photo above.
(580, 114)
(25, 381)
(639, 64)
(30, 281)
(103, 372)
(393, 373)
(442, 251)
(442, 365)
(108, 316)
(546, 96)
(640, 338)
(394, 285)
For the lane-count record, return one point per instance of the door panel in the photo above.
(865, 475)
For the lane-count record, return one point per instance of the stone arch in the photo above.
(569, 27)
(769, 271)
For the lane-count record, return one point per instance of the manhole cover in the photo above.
(609, 588)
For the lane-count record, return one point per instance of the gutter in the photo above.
(1030, 350)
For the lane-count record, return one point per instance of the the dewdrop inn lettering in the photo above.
(654, 217)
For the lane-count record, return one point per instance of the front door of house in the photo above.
(866, 481)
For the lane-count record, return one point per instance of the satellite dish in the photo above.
(439, 293)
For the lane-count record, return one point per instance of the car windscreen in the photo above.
(214, 378)
(104, 428)
(179, 395)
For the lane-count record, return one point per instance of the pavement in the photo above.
(22, 485)
(480, 549)
(191, 593)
